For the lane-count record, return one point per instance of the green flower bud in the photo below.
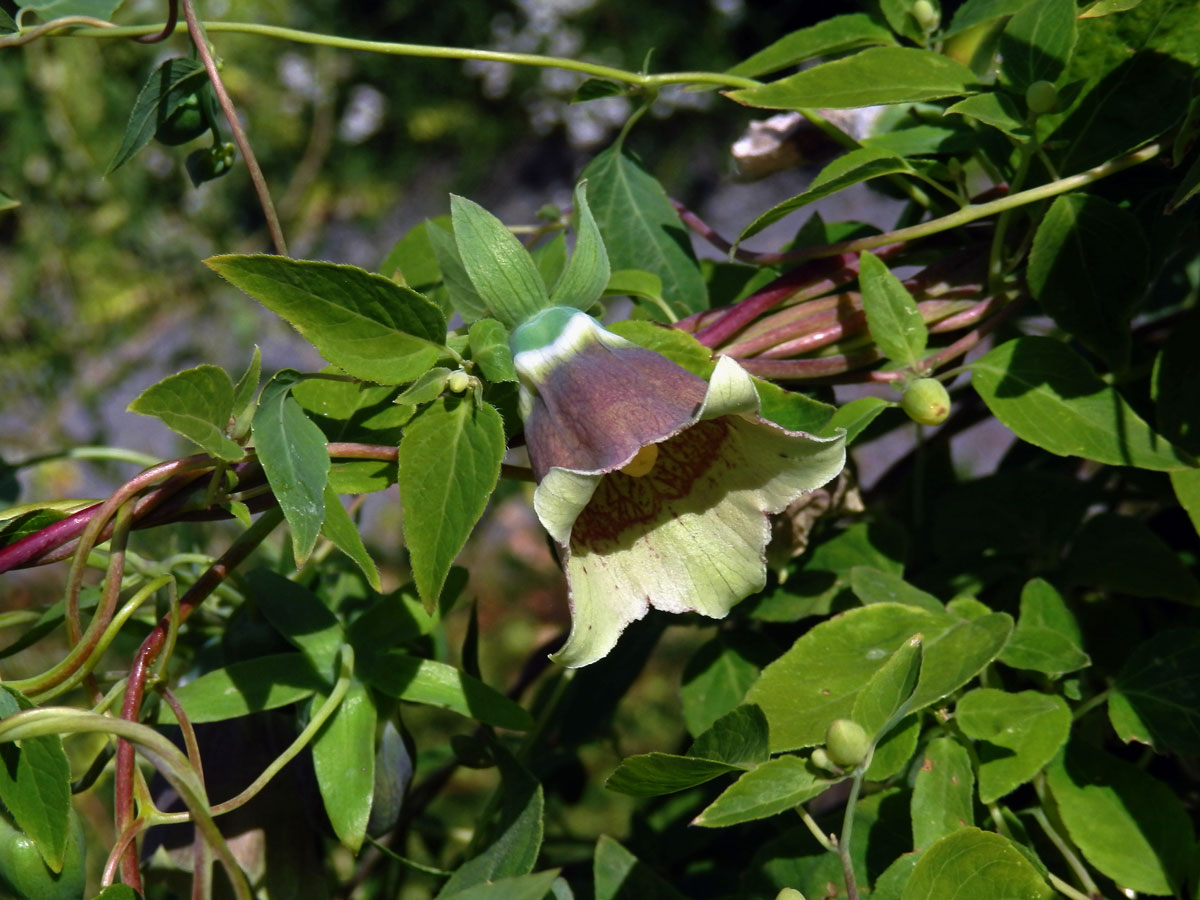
(458, 381)
(926, 15)
(820, 759)
(185, 124)
(205, 165)
(926, 401)
(789, 894)
(1041, 97)
(846, 743)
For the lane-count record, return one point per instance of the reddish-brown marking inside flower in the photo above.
(622, 501)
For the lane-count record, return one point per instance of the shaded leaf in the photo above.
(1129, 825)
(1156, 697)
(341, 531)
(343, 754)
(653, 774)
(266, 682)
(1118, 553)
(1037, 42)
(996, 109)
(522, 887)
(872, 585)
(35, 786)
(164, 92)
(1050, 397)
(619, 875)
(296, 613)
(718, 675)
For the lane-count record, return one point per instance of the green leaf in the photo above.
(343, 754)
(1129, 825)
(7, 26)
(296, 613)
(361, 322)
(449, 464)
(996, 109)
(717, 677)
(293, 454)
(893, 318)
(1037, 42)
(855, 416)
(343, 533)
(877, 75)
(522, 887)
(1118, 553)
(1088, 268)
(514, 839)
(831, 36)
(583, 280)
(265, 682)
(489, 350)
(850, 168)
(818, 679)
(884, 699)
(772, 788)
(791, 409)
(1156, 697)
(976, 12)
(35, 786)
(894, 749)
(642, 230)
(738, 738)
(243, 393)
(1107, 7)
(550, 257)
(598, 88)
(872, 585)
(196, 403)
(53, 9)
(1049, 396)
(943, 794)
(1047, 636)
(654, 774)
(411, 260)
(1018, 735)
(162, 94)
(463, 296)
(1189, 186)
(978, 864)
(7, 202)
(500, 269)
(678, 346)
(437, 684)
(619, 875)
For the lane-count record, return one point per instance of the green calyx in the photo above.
(543, 328)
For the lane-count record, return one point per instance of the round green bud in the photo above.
(789, 894)
(25, 876)
(459, 381)
(926, 15)
(1041, 97)
(926, 401)
(846, 743)
(186, 123)
(820, 759)
(213, 162)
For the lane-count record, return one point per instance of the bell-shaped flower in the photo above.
(656, 484)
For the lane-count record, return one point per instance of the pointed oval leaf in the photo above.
(850, 168)
(343, 533)
(343, 754)
(1049, 396)
(196, 403)
(586, 274)
(1047, 636)
(266, 682)
(619, 875)
(463, 296)
(893, 318)
(449, 464)
(162, 94)
(834, 35)
(35, 786)
(772, 788)
(641, 229)
(490, 351)
(361, 322)
(499, 268)
(438, 684)
(884, 699)
(1087, 267)
(877, 75)
(1156, 697)
(654, 774)
(296, 613)
(944, 792)
(292, 451)
(1037, 42)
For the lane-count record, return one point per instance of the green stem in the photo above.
(1088, 705)
(983, 210)
(1068, 853)
(811, 824)
(389, 48)
(1065, 889)
(843, 844)
(324, 711)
